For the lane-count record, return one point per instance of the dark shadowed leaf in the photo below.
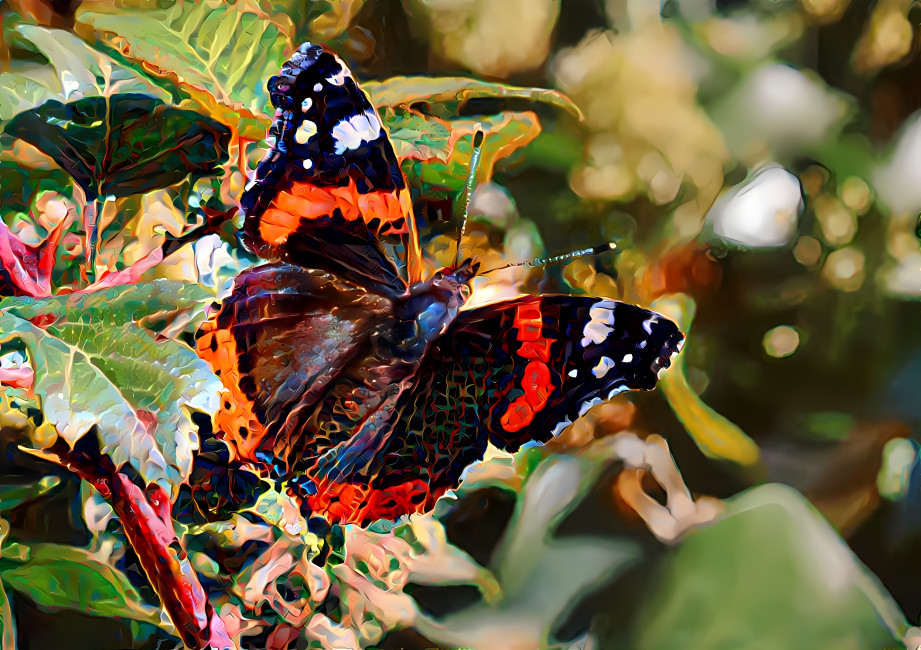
(12, 495)
(62, 577)
(22, 185)
(124, 144)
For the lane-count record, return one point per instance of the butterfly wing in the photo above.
(330, 189)
(277, 342)
(508, 373)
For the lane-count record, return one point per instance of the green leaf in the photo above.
(538, 571)
(62, 577)
(151, 304)
(124, 144)
(107, 374)
(228, 49)
(73, 70)
(451, 91)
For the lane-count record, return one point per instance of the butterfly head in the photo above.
(451, 285)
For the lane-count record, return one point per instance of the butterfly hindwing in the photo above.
(330, 188)
(277, 343)
(507, 373)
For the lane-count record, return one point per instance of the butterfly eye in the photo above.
(465, 291)
(438, 276)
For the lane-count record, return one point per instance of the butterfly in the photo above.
(368, 392)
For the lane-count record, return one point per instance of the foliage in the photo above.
(127, 133)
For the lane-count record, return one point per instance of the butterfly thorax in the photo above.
(426, 310)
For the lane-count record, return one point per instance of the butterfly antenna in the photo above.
(471, 185)
(545, 261)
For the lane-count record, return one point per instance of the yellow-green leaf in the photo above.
(7, 624)
(405, 91)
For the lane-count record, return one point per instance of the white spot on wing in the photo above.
(573, 373)
(350, 133)
(595, 401)
(600, 325)
(306, 104)
(308, 163)
(317, 87)
(305, 131)
(603, 366)
(560, 427)
(627, 358)
(595, 332)
(617, 391)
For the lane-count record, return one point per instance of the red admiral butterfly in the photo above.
(375, 393)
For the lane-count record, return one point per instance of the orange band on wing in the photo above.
(380, 210)
(235, 420)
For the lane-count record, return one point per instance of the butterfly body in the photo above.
(370, 393)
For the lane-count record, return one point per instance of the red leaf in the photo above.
(29, 267)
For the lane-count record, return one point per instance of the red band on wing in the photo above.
(347, 503)
(306, 202)
(536, 383)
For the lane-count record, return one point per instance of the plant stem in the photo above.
(91, 210)
(146, 519)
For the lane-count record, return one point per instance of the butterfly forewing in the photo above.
(330, 188)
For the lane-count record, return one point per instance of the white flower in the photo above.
(761, 212)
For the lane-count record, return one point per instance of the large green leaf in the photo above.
(124, 144)
(25, 86)
(73, 70)
(62, 577)
(103, 372)
(228, 49)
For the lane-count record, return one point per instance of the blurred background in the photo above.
(758, 165)
(762, 158)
